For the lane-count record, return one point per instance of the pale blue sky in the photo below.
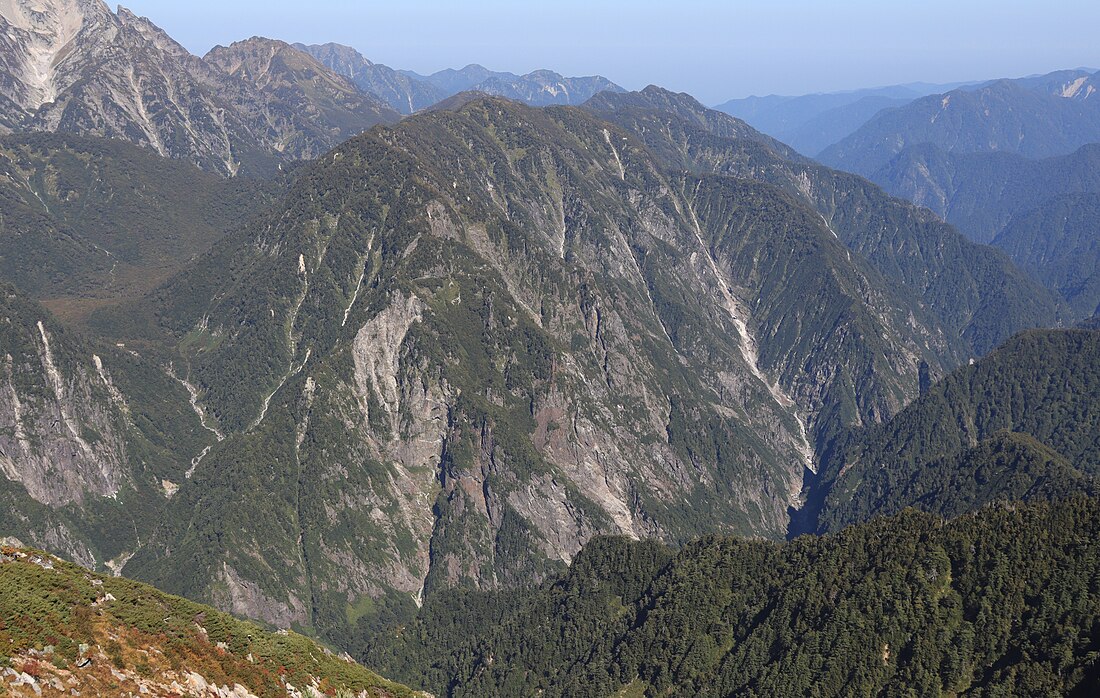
(714, 50)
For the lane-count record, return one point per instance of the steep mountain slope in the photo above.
(1058, 242)
(88, 222)
(1002, 602)
(461, 347)
(975, 291)
(402, 92)
(94, 442)
(74, 66)
(980, 193)
(1035, 117)
(1023, 422)
(68, 631)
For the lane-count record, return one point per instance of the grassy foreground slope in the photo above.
(64, 628)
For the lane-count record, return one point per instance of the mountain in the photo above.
(545, 87)
(67, 630)
(810, 123)
(402, 92)
(88, 222)
(1021, 423)
(96, 439)
(539, 88)
(459, 348)
(975, 291)
(1058, 242)
(1000, 602)
(311, 107)
(1035, 117)
(452, 81)
(73, 66)
(980, 193)
(1039, 211)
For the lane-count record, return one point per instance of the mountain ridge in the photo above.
(1041, 116)
(74, 66)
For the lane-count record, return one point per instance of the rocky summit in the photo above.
(75, 66)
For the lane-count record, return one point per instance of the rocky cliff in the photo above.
(74, 66)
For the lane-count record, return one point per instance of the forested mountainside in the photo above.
(66, 631)
(1020, 424)
(1000, 602)
(88, 222)
(1037, 117)
(1058, 243)
(975, 291)
(94, 441)
(74, 66)
(452, 351)
(980, 193)
(461, 347)
(444, 355)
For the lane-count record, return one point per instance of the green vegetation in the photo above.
(1058, 242)
(1001, 602)
(1020, 424)
(47, 602)
(90, 222)
(976, 293)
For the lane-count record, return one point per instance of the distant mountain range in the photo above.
(408, 92)
(810, 123)
(994, 168)
(74, 66)
(1035, 117)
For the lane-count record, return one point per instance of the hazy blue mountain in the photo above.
(810, 123)
(1036, 117)
(980, 193)
(1042, 212)
(539, 88)
(401, 91)
(1058, 242)
(451, 81)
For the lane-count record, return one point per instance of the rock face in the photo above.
(307, 107)
(89, 435)
(74, 66)
(51, 452)
(461, 347)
